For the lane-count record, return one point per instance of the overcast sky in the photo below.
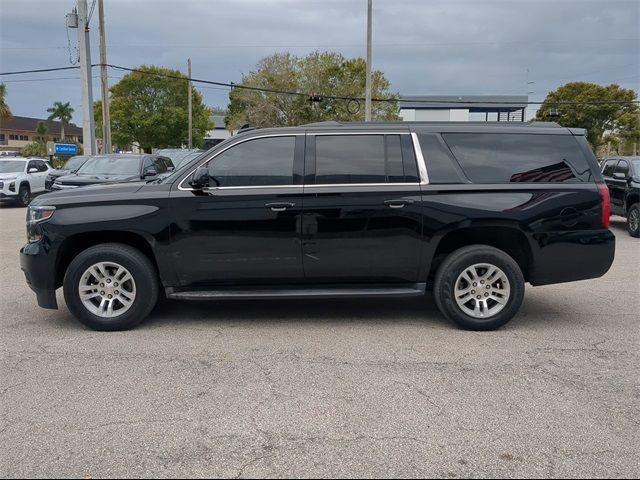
(425, 47)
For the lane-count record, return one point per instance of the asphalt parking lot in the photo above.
(324, 388)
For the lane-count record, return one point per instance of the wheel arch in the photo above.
(510, 239)
(76, 243)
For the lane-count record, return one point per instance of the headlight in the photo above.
(36, 215)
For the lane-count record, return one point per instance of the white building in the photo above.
(218, 134)
(467, 108)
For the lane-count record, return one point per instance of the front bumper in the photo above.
(38, 267)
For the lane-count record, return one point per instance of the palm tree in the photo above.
(63, 111)
(5, 111)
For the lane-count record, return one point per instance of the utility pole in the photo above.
(88, 128)
(106, 118)
(367, 96)
(190, 105)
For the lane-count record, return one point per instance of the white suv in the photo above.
(20, 178)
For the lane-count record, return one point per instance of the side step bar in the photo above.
(413, 290)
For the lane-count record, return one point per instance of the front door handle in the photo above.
(279, 206)
(397, 203)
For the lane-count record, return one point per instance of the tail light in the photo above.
(605, 202)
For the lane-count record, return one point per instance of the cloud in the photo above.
(424, 47)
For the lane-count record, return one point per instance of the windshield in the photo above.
(111, 165)
(186, 159)
(636, 166)
(75, 163)
(12, 166)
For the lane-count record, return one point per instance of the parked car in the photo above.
(10, 153)
(179, 156)
(21, 178)
(70, 166)
(622, 176)
(115, 168)
(334, 210)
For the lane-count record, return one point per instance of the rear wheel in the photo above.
(479, 287)
(111, 286)
(24, 195)
(633, 220)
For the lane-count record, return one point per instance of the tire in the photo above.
(24, 195)
(135, 298)
(633, 220)
(498, 305)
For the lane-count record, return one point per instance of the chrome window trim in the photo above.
(422, 168)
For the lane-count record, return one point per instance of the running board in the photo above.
(312, 292)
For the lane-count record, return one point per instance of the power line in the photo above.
(329, 97)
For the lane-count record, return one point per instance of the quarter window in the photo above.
(519, 158)
(259, 162)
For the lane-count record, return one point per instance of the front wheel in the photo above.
(111, 286)
(24, 195)
(633, 220)
(479, 287)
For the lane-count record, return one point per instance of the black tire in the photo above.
(633, 220)
(456, 263)
(142, 271)
(24, 195)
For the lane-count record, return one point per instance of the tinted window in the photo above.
(622, 167)
(32, 164)
(361, 159)
(159, 165)
(607, 171)
(506, 157)
(41, 166)
(439, 161)
(263, 161)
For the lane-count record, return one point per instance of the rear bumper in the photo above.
(570, 256)
(36, 264)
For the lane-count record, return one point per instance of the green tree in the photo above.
(42, 133)
(150, 109)
(34, 149)
(5, 111)
(319, 73)
(63, 112)
(599, 109)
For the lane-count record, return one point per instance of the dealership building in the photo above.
(17, 132)
(465, 108)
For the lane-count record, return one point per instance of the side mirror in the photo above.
(619, 176)
(200, 178)
(33, 170)
(149, 172)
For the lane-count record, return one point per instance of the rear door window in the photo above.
(352, 159)
(519, 158)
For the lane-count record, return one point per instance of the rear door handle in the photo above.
(397, 203)
(279, 206)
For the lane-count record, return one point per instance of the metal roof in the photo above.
(472, 102)
(30, 124)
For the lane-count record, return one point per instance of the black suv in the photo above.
(114, 168)
(470, 210)
(622, 176)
